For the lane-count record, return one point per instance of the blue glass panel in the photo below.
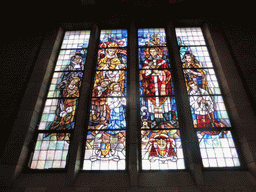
(151, 37)
(113, 38)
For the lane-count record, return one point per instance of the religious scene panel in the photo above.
(151, 37)
(116, 36)
(204, 79)
(207, 105)
(58, 114)
(71, 60)
(51, 150)
(154, 58)
(195, 57)
(105, 144)
(65, 84)
(156, 83)
(108, 113)
(158, 113)
(161, 150)
(59, 111)
(112, 58)
(105, 150)
(218, 149)
(208, 111)
(192, 58)
(103, 87)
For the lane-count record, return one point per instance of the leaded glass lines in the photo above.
(161, 146)
(209, 114)
(106, 137)
(58, 118)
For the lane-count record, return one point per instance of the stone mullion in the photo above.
(188, 135)
(132, 132)
(79, 137)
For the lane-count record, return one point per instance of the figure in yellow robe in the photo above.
(110, 66)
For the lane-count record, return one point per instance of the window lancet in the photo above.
(161, 146)
(106, 137)
(58, 118)
(210, 118)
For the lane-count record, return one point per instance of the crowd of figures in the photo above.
(107, 120)
(158, 106)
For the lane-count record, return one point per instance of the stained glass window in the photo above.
(58, 117)
(209, 114)
(106, 137)
(161, 146)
